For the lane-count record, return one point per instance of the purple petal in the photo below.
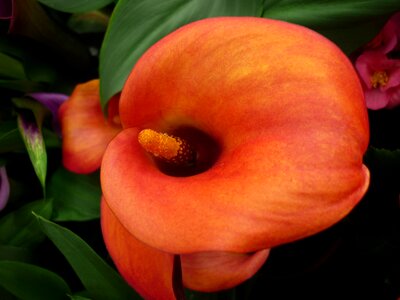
(53, 102)
(6, 9)
(4, 188)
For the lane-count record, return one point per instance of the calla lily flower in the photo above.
(379, 67)
(235, 140)
(4, 188)
(85, 131)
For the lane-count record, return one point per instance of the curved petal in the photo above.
(262, 194)
(288, 114)
(85, 131)
(364, 68)
(370, 62)
(376, 99)
(146, 269)
(215, 271)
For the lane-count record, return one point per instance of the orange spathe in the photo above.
(85, 131)
(286, 110)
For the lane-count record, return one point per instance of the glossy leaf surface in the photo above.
(19, 227)
(76, 197)
(128, 38)
(101, 281)
(30, 282)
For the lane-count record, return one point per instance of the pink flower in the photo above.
(380, 77)
(379, 67)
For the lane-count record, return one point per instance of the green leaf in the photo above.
(136, 25)
(100, 280)
(329, 14)
(11, 67)
(76, 6)
(29, 282)
(19, 228)
(348, 23)
(75, 197)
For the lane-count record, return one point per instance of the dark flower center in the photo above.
(185, 151)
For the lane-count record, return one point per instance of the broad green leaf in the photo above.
(31, 132)
(19, 227)
(136, 25)
(349, 23)
(11, 67)
(76, 6)
(329, 14)
(100, 280)
(75, 197)
(30, 282)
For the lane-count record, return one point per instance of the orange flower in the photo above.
(239, 134)
(85, 131)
